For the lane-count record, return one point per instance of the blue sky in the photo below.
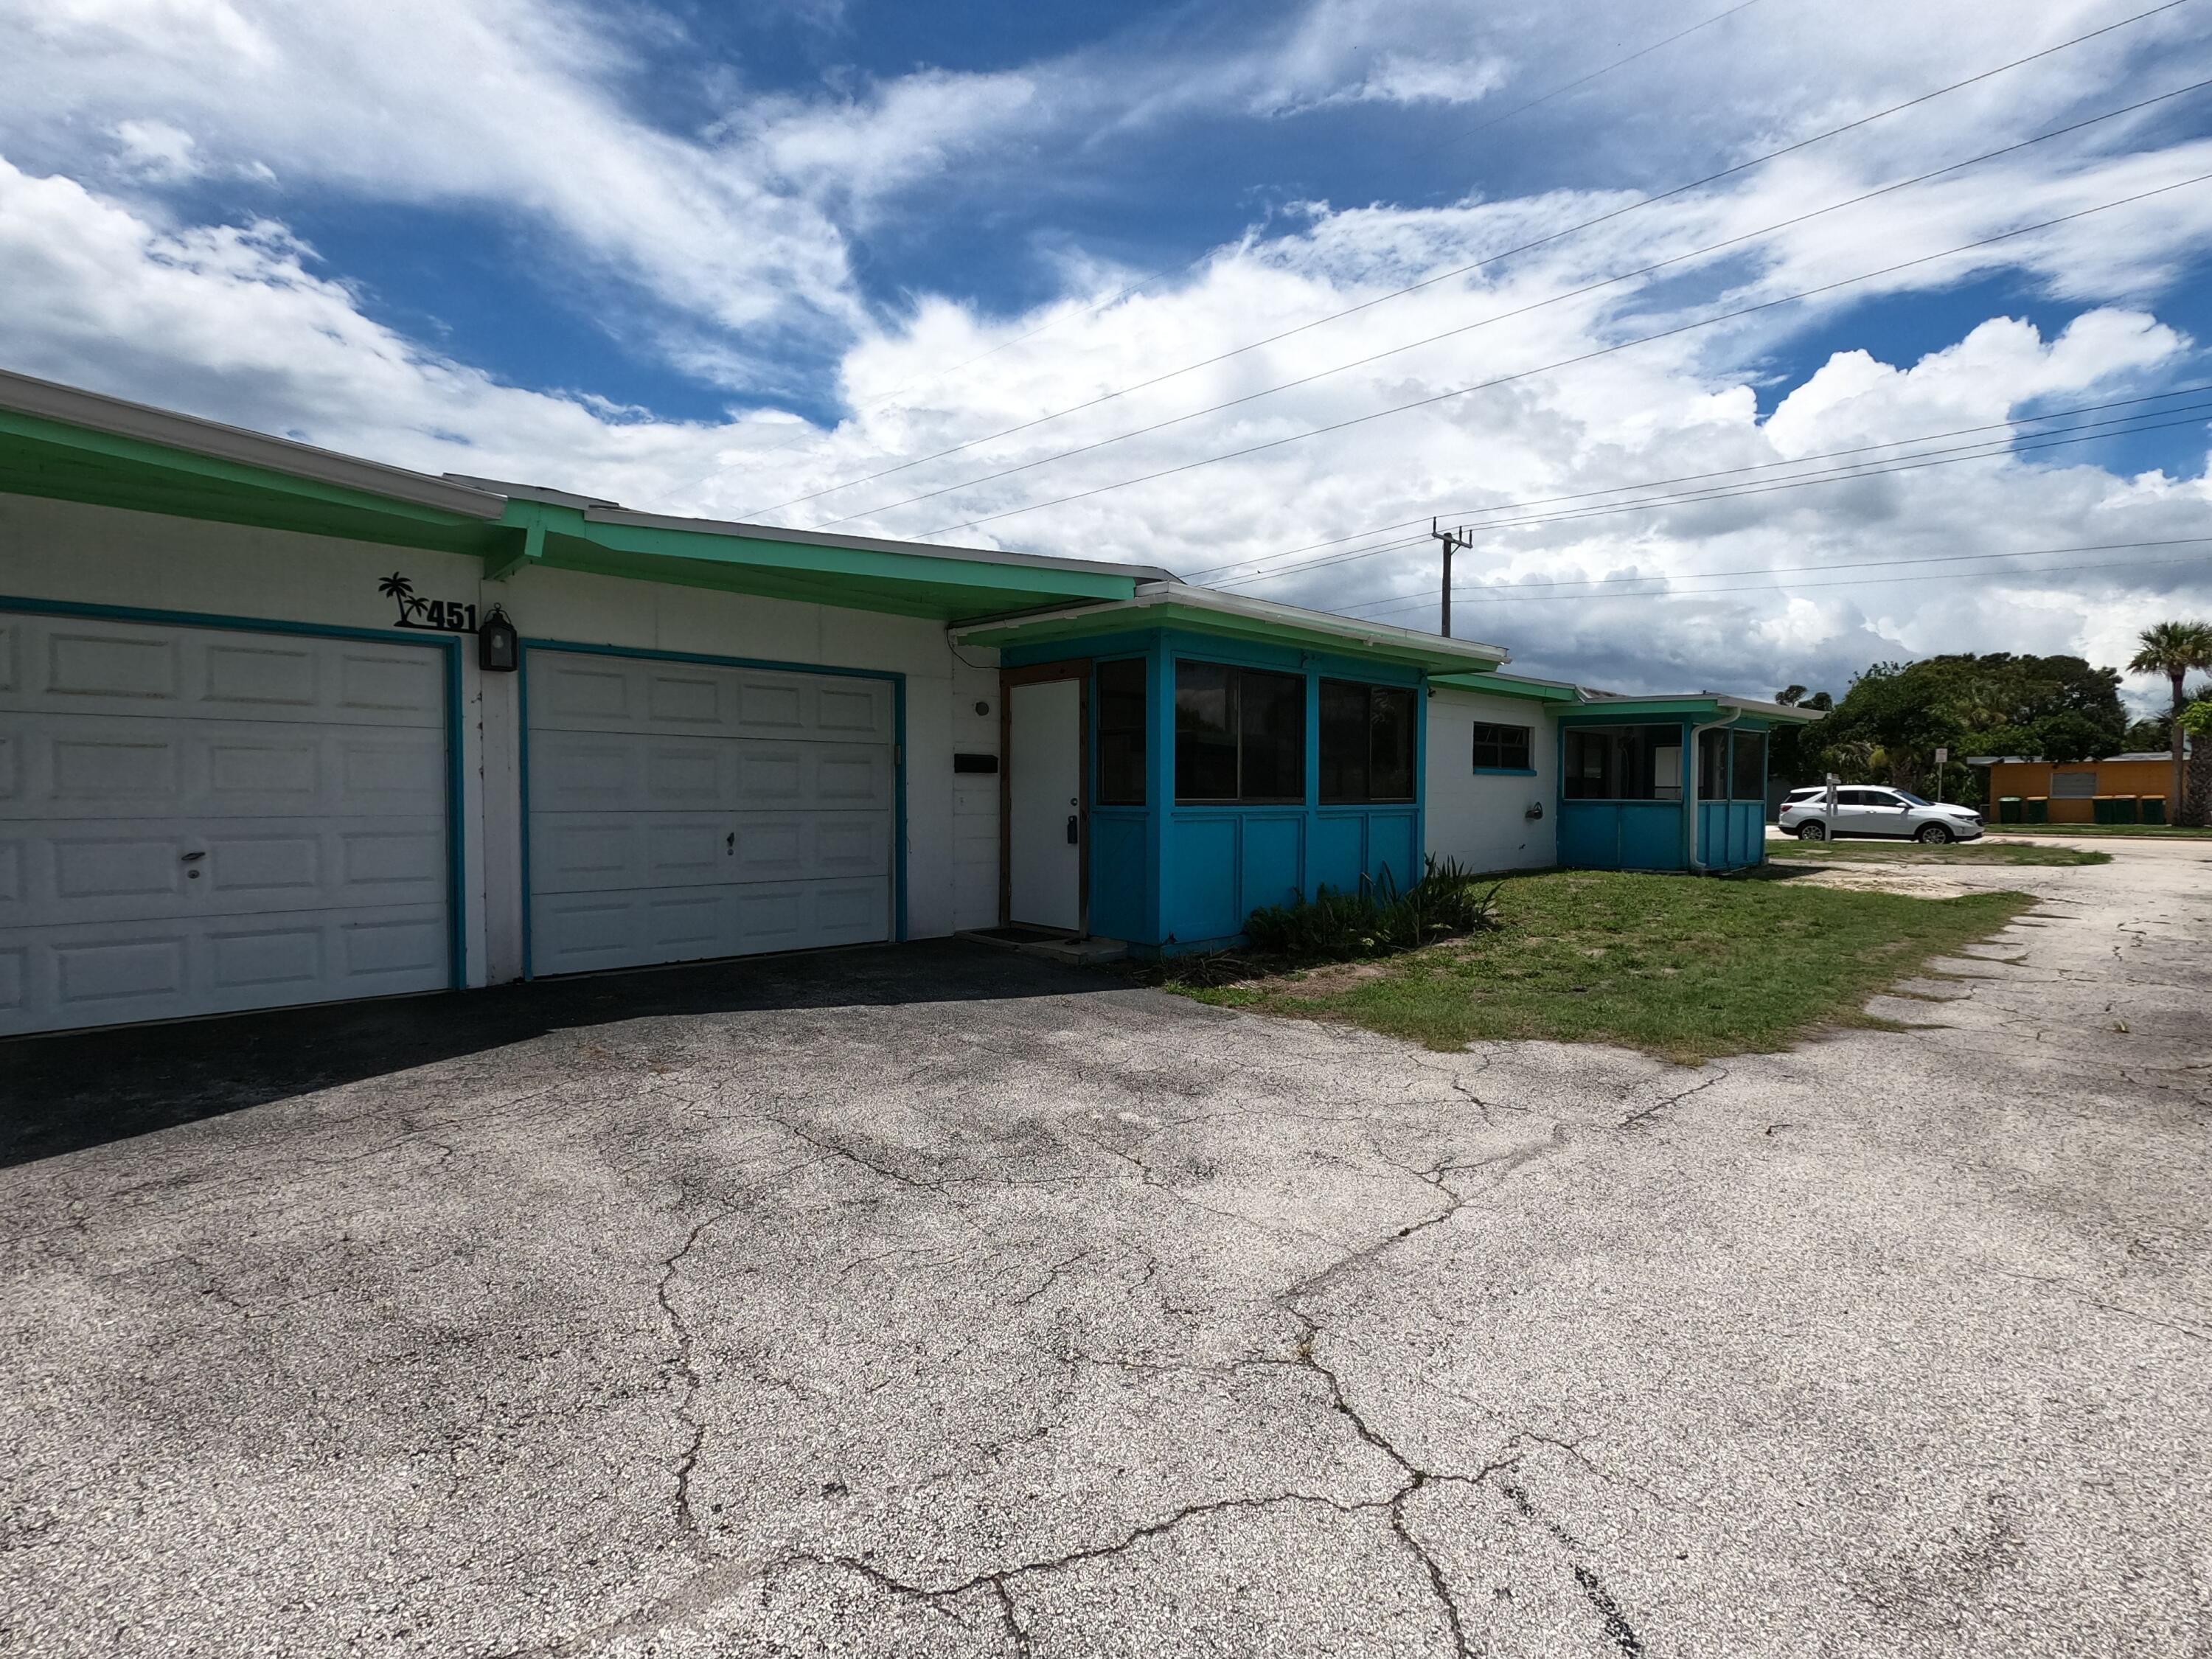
(709, 259)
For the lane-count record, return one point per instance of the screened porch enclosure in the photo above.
(1627, 803)
(1229, 774)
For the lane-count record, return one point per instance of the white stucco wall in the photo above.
(100, 556)
(1481, 819)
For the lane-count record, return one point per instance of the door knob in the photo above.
(1071, 829)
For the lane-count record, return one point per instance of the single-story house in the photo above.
(2132, 789)
(281, 725)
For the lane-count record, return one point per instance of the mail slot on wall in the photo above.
(974, 763)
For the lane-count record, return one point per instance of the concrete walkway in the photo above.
(937, 1301)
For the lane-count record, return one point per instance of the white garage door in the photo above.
(682, 810)
(196, 821)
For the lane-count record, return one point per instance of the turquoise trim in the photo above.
(1505, 771)
(525, 646)
(522, 781)
(457, 939)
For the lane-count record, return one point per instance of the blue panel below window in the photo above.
(1622, 835)
(1120, 874)
(1339, 845)
(1392, 846)
(1202, 900)
(1272, 862)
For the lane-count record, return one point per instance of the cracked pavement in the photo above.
(937, 1301)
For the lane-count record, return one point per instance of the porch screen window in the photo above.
(1121, 733)
(1732, 766)
(1623, 763)
(1366, 742)
(1750, 766)
(1239, 734)
(1501, 747)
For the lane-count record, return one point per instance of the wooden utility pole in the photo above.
(1454, 541)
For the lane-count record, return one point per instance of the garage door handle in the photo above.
(1071, 829)
(188, 858)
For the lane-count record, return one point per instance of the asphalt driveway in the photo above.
(939, 1301)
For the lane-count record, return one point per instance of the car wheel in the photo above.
(1934, 834)
(1813, 831)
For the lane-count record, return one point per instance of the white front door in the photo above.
(203, 820)
(1044, 793)
(682, 810)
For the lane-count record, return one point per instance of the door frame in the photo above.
(457, 907)
(524, 645)
(1079, 669)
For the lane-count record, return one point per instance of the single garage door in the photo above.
(680, 810)
(197, 820)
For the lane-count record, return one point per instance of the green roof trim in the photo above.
(1700, 706)
(1509, 685)
(1200, 610)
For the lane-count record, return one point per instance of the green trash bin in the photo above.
(2153, 809)
(2114, 808)
(2008, 810)
(2039, 810)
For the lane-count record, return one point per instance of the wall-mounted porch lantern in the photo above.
(499, 647)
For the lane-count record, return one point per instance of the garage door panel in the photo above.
(82, 766)
(580, 933)
(107, 870)
(144, 670)
(578, 772)
(105, 973)
(199, 821)
(604, 853)
(582, 692)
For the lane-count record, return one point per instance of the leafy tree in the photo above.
(1791, 750)
(2175, 649)
(1896, 715)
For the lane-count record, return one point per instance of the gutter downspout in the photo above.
(1691, 766)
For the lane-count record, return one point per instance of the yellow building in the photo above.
(2119, 789)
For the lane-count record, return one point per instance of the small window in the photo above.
(1502, 748)
(1121, 733)
(1239, 734)
(2073, 785)
(1366, 742)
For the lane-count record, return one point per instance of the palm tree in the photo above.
(2173, 649)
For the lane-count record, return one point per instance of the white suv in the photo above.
(1870, 810)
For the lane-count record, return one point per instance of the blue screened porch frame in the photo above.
(1170, 878)
(1652, 835)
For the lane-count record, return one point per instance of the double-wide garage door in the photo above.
(198, 820)
(681, 811)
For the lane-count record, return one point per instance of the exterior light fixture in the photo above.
(499, 647)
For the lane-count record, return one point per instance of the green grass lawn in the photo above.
(1910, 851)
(2150, 831)
(1682, 968)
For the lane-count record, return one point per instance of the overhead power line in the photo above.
(1995, 450)
(1568, 362)
(1502, 316)
(1486, 595)
(1465, 515)
(1460, 270)
(1166, 271)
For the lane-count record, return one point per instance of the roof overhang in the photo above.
(1205, 610)
(62, 443)
(1700, 706)
(1513, 685)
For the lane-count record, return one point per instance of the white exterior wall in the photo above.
(1482, 818)
(59, 550)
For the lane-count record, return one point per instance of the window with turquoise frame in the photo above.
(1240, 736)
(1366, 743)
(1122, 706)
(1502, 748)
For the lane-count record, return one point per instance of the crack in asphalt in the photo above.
(1636, 1118)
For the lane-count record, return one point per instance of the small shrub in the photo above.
(1377, 919)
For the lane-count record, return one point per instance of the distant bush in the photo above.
(1377, 919)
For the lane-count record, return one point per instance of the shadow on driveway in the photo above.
(81, 1089)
